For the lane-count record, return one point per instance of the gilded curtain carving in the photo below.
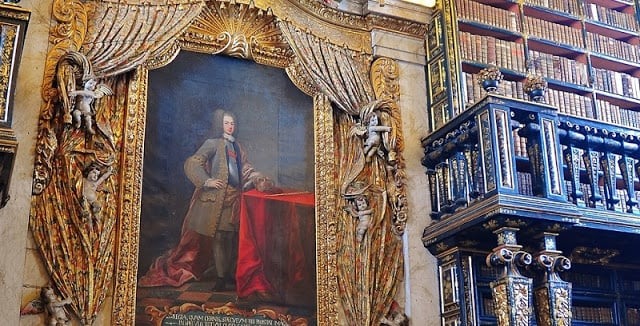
(122, 36)
(340, 73)
(78, 246)
(74, 232)
(366, 290)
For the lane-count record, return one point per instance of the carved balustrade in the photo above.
(602, 163)
(524, 158)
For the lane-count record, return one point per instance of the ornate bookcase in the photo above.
(13, 26)
(553, 181)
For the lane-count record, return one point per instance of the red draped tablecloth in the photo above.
(276, 249)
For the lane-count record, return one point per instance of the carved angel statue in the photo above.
(90, 187)
(84, 100)
(373, 133)
(360, 208)
(56, 313)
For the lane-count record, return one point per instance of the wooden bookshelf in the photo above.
(588, 50)
(577, 148)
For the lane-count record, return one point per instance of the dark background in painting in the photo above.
(274, 124)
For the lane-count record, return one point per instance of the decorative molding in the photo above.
(325, 210)
(401, 26)
(123, 311)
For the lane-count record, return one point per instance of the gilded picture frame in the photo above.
(149, 35)
(273, 124)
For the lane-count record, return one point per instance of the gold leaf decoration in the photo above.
(241, 31)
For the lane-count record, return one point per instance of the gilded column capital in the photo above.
(511, 292)
(552, 294)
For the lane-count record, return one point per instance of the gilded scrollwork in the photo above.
(385, 76)
(553, 295)
(512, 295)
(562, 310)
(123, 310)
(327, 227)
(522, 307)
(238, 30)
(500, 300)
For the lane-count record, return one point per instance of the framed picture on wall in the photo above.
(227, 223)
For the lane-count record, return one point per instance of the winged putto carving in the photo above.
(78, 103)
(83, 108)
(372, 131)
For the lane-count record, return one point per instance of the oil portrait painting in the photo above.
(227, 222)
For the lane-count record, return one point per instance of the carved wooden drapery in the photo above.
(343, 76)
(77, 247)
(116, 43)
(76, 240)
(116, 38)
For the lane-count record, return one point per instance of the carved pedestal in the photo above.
(511, 292)
(552, 294)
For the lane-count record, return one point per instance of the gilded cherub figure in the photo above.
(54, 305)
(85, 98)
(373, 132)
(359, 208)
(91, 185)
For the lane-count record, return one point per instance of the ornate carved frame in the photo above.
(88, 259)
